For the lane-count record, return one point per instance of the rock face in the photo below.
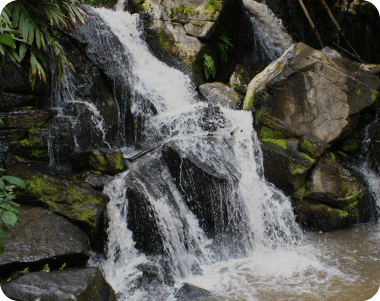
(306, 93)
(190, 292)
(48, 188)
(221, 94)
(81, 285)
(104, 161)
(240, 79)
(307, 105)
(42, 238)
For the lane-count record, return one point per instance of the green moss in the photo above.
(343, 214)
(213, 6)
(300, 193)
(101, 158)
(184, 10)
(116, 161)
(374, 96)
(308, 157)
(307, 147)
(342, 153)
(297, 168)
(198, 24)
(349, 144)
(273, 136)
(28, 108)
(30, 97)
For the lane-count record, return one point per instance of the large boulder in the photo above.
(221, 94)
(42, 238)
(67, 285)
(62, 194)
(189, 292)
(305, 93)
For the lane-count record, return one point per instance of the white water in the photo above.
(271, 39)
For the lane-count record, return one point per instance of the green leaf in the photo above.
(2, 185)
(2, 169)
(9, 218)
(19, 220)
(7, 40)
(4, 231)
(23, 48)
(33, 63)
(14, 180)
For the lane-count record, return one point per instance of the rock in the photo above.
(97, 181)
(375, 147)
(67, 285)
(306, 93)
(154, 274)
(190, 292)
(104, 161)
(284, 165)
(42, 238)
(23, 130)
(201, 30)
(221, 94)
(11, 101)
(62, 194)
(333, 197)
(240, 79)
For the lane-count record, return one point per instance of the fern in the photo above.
(223, 47)
(34, 25)
(209, 66)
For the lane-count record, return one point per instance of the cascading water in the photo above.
(271, 40)
(252, 209)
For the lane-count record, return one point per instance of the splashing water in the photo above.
(271, 40)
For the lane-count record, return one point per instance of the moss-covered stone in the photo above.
(64, 196)
(350, 144)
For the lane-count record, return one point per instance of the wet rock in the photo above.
(74, 284)
(221, 94)
(306, 93)
(375, 147)
(104, 161)
(154, 274)
(11, 101)
(240, 79)
(42, 238)
(62, 194)
(284, 165)
(23, 130)
(333, 197)
(190, 292)
(200, 30)
(97, 181)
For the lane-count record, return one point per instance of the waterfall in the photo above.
(249, 214)
(271, 39)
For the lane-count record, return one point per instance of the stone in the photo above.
(240, 79)
(11, 101)
(189, 292)
(306, 93)
(221, 94)
(201, 30)
(67, 285)
(62, 194)
(104, 161)
(23, 130)
(42, 238)
(284, 165)
(97, 181)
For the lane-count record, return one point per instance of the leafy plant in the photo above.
(63, 266)
(46, 268)
(28, 28)
(8, 214)
(209, 66)
(223, 47)
(24, 271)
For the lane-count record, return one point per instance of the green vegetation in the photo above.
(223, 47)
(8, 214)
(209, 66)
(63, 266)
(307, 147)
(273, 136)
(349, 144)
(27, 29)
(213, 6)
(183, 10)
(342, 153)
(24, 271)
(46, 268)
(198, 24)
(308, 157)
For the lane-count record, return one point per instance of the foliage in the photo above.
(92, 2)
(8, 214)
(209, 66)
(28, 28)
(24, 271)
(63, 266)
(223, 47)
(46, 268)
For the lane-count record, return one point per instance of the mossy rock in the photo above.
(240, 79)
(62, 194)
(103, 161)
